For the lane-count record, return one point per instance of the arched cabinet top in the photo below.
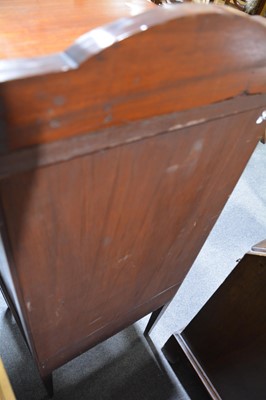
(165, 60)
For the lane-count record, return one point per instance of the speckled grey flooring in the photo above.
(124, 367)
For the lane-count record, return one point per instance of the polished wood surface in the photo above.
(105, 227)
(30, 28)
(69, 148)
(226, 342)
(113, 172)
(109, 90)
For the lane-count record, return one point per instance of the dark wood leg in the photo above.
(8, 311)
(12, 308)
(3, 294)
(48, 383)
(155, 316)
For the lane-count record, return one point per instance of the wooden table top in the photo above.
(32, 28)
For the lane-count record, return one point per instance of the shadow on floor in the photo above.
(123, 367)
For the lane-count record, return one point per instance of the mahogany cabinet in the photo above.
(117, 157)
(226, 342)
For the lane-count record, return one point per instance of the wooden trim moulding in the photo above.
(96, 40)
(91, 142)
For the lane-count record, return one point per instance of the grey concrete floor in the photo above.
(124, 367)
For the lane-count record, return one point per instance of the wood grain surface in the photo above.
(119, 166)
(32, 28)
(170, 73)
(73, 147)
(107, 234)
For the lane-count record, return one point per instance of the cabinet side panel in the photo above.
(100, 236)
